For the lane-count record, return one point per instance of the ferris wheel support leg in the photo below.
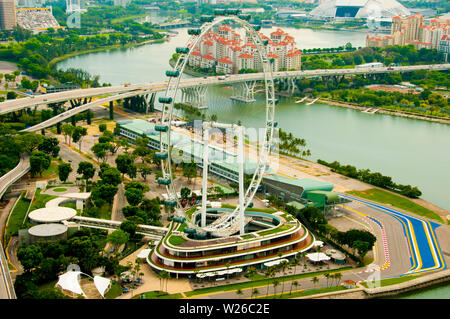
(241, 178)
(205, 172)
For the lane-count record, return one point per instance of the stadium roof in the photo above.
(374, 9)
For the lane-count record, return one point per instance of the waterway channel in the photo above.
(415, 152)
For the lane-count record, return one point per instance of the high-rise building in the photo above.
(7, 14)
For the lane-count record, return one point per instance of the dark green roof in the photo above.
(296, 205)
(306, 183)
(331, 196)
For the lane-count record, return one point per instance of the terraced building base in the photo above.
(278, 235)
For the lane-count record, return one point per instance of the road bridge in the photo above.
(153, 232)
(145, 88)
(6, 284)
(15, 174)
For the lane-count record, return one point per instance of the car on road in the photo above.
(221, 78)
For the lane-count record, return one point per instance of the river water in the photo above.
(412, 151)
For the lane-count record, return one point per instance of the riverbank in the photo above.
(384, 111)
(111, 47)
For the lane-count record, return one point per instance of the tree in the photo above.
(78, 134)
(64, 170)
(144, 170)
(102, 127)
(100, 149)
(110, 175)
(239, 292)
(11, 95)
(275, 284)
(50, 146)
(30, 257)
(67, 130)
(129, 226)
(185, 192)
(315, 280)
(103, 193)
(138, 185)
(295, 283)
(123, 163)
(118, 237)
(134, 196)
(86, 169)
(28, 142)
(189, 170)
(39, 162)
(362, 247)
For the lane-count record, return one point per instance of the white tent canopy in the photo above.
(219, 273)
(318, 243)
(70, 282)
(317, 257)
(275, 262)
(143, 253)
(102, 284)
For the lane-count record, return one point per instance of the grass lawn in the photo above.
(276, 230)
(257, 283)
(392, 281)
(59, 189)
(304, 293)
(16, 218)
(248, 236)
(70, 205)
(52, 171)
(157, 295)
(378, 195)
(176, 240)
(115, 290)
(40, 200)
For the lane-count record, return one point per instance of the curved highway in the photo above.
(18, 104)
(6, 284)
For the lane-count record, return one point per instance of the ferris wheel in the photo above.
(164, 127)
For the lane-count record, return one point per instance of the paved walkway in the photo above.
(151, 281)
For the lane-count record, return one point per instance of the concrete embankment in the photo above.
(385, 111)
(386, 291)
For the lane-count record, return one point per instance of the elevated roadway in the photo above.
(15, 174)
(6, 284)
(137, 89)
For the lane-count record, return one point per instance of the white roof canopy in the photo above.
(317, 257)
(70, 282)
(275, 262)
(219, 273)
(318, 243)
(102, 284)
(143, 253)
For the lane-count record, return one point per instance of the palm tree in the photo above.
(268, 273)
(315, 280)
(160, 276)
(251, 271)
(296, 284)
(283, 267)
(228, 267)
(239, 292)
(338, 276)
(167, 277)
(255, 292)
(328, 276)
(275, 283)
